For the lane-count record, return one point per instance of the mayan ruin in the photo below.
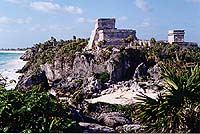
(106, 32)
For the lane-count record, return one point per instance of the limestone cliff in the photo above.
(58, 65)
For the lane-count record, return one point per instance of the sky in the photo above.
(27, 22)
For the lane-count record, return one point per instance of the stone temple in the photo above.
(106, 33)
(176, 36)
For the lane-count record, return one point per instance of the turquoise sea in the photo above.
(9, 64)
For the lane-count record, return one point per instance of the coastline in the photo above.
(9, 69)
(11, 51)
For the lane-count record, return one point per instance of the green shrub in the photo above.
(103, 77)
(178, 108)
(32, 111)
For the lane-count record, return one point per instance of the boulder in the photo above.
(130, 128)
(155, 72)
(29, 54)
(86, 64)
(25, 68)
(29, 80)
(113, 119)
(3, 81)
(140, 71)
(121, 66)
(67, 84)
(95, 128)
(91, 85)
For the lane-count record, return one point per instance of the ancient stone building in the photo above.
(175, 36)
(105, 33)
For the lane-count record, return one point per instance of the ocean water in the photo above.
(9, 64)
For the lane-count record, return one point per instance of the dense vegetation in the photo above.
(170, 52)
(48, 51)
(177, 107)
(33, 111)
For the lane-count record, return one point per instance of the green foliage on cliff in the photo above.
(33, 112)
(177, 109)
(163, 52)
(103, 77)
(46, 52)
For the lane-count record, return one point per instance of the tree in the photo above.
(152, 41)
(177, 109)
(32, 112)
(74, 37)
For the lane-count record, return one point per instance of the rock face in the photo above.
(87, 63)
(140, 71)
(95, 128)
(131, 128)
(155, 72)
(113, 119)
(67, 70)
(121, 66)
(29, 54)
(37, 79)
(61, 67)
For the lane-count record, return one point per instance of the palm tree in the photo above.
(152, 41)
(177, 108)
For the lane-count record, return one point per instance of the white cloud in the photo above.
(123, 18)
(72, 9)
(54, 7)
(143, 5)
(16, 1)
(3, 30)
(51, 28)
(145, 24)
(7, 20)
(85, 20)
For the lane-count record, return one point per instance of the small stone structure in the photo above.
(105, 33)
(175, 36)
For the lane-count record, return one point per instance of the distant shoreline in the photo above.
(12, 51)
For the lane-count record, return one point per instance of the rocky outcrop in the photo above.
(29, 54)
(38, 78)
(125, 92)
(121, 66)
(95, 128)
(155, 72)
(131, 128)
(60, 68)
(91, 85)
(87, 63)
(140, 71)
(113, 119)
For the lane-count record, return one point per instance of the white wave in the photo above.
(9, 71)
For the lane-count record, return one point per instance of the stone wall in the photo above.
(116, 34)
(105, 24)
(105, 31)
